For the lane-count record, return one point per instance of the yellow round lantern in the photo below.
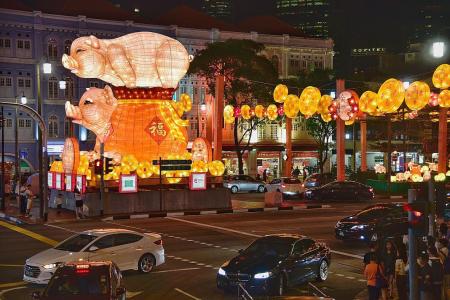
(280, 93)
(324, 103)
(186, 102)
(309, 100)
(291, 106)
(416, 178)
(245, 112)
(368, 102)
(199, 166)
(444, 98)
(441, 77)
(259, 111)
(392, 94)
(228, 114)
(350, 122)
(216, 168)
(144, 169)
(272, 112)
(326, 117)
(417, 95)
(439, 177)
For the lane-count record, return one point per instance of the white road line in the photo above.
(186, 294)
(62, 228)
(361, 280)
(175, 270)
(317, 289)
(250, 234)
(340, 275)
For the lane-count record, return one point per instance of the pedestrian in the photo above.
(78, 203)
(373, 274)
(400, 273)
(388, 258)
(372, 254)
(424, 277)
(437, 273)
(442, 248)
(59, 201)
(443, 230)
(22, 199)
(296, 172)
(265, 175)
(29, 196)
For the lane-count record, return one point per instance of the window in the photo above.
(53, 126)
(275, 62)
(52, 49)
(105, 242)
(20, 82)
(274, 131)
(261, 132)
(5, 81)
(5, 43)
(52, 88)
(126, 238)
(21, 123)
(68, 92)
(67, 128)
(20, 44)
(67, 44)
(9, 123)
(28, 123)
(93, 84)
(304, 246)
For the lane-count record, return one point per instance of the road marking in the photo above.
(9, 290)
(133, 294)
(62, 228)
(251, 234)
(193, 262)
(29, 233)
(13, 266)
(186, 294)
(12, 284)
(175, 270)
(317, 289)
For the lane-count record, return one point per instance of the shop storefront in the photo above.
(268, 161)
(230, 161)
(54, 150)
(305, 160)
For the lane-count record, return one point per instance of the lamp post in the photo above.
(23, 100)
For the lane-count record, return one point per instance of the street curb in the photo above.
(210, 212)
(11, 219)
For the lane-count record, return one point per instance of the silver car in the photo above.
(244, 183)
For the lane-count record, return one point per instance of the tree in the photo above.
(245, 69)
(322, 132)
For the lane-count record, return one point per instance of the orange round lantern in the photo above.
(291, 106)
(272, 112)
(417, 95)
(259, 111)
(444, 98)
(441, 77)
(369, 102)
(245, 112)
(280, 93)
(324, 103)
(391, 95)
(309, 100)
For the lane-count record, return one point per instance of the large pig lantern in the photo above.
(142, 59)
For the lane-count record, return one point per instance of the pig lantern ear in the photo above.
(109, 95)
(93, 42)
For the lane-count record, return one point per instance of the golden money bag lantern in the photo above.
(441, 77)
(280, 93)
(245, 112)
(259, 111)
(444, 98)
(199, 166)
(309, 100)
(392, 94)
(417, 95)
(291, 106)
(272, 112)
(326, 117)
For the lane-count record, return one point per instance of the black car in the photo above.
(374, 223)
(341, 191)
(85, 281)
(316, 180)
(274, 262)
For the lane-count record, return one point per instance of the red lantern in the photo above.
(237, 112)
(280, 110)
(433, 100)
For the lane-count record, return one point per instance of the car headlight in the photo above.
(222, 272)
(263, 275)
(359, 226)
(52, 266)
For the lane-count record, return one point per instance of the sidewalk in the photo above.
(12, 213)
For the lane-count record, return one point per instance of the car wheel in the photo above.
(234, 189)
(146, 263)
(322, 275)
(261, 189)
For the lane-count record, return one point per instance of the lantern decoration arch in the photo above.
(417, 95)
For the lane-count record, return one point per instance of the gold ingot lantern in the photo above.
(199, 166)
(441, 77)
(280, 93)
(309, 100)
(130, 161)
(144, 169)
(186, 102)
(291, 106)
(392, 94)
(259, 111)
(417, 95)
(444, 98)
(272, 112)
(245, 112)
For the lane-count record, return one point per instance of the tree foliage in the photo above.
(321, 132)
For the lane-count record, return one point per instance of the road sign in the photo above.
(173, 164)
(197, 181)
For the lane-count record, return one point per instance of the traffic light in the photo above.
(419, 216)
(98, 166)
(108, 165)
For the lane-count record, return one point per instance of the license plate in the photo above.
(28, 273)
(341, 233)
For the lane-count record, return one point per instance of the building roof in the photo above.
(185, 16)
(268, 25)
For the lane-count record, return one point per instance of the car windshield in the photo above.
(76, 243)
(291, 180)
(270, 247)
(372, 213)
(92, 283)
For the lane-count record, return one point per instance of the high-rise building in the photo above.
(221, 9)
(310, 16)
(431, 20)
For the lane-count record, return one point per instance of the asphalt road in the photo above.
(196, 246)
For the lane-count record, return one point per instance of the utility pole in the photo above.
(412, 249)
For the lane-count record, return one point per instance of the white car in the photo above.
(287, 186)
(130, 250)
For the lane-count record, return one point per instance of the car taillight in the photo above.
(371, 189)
(82, 271)
(283, 185)
(158, 242)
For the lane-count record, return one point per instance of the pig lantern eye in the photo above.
(80, 50)
(88, 101)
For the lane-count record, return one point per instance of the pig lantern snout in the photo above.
(70, 63)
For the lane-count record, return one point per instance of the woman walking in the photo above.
(388, 258)
(78, 203)
(373, 272)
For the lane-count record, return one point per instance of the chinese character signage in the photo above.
(59, 181)
(157, 130)
(197, 181)
(128, 183)
(51, 180)
(81, 183)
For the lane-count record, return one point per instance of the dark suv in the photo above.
(85, 281)
(374, 223)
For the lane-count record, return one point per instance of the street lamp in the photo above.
(437, 49)
(62, 84)
(47, 67)
(23, 99)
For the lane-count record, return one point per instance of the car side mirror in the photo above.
(120, 291)
(36, 295)
(93, 248)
